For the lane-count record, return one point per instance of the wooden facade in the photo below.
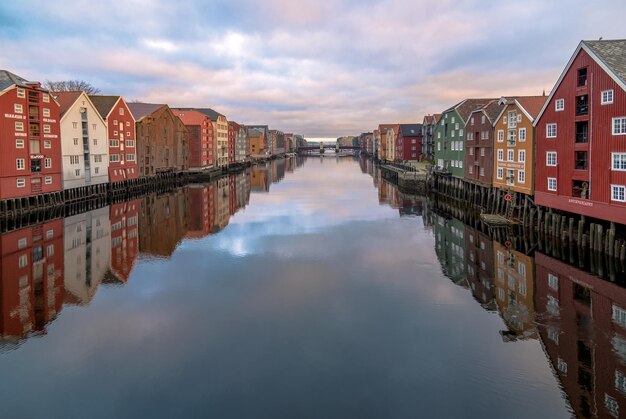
(409, 142)
(479, 143)
(30, 150)
(514, 144)
(121, 137)
(200, 145)
(161, 139)
(581, 136)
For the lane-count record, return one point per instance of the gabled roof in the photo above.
(207, 111)
(411, 130)
(104, 104)
(66, 100)
(610, 56)
(532, 104)
(467, 106)
(492, 110)
(141, 110)
(254, 132)
(190, 117)
(432, 119)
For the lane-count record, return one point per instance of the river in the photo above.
(304, 288)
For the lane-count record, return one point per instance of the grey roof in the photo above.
(140, 110)
(207, 111)
(103, 103)
(254, 131)
(8, 79)
(411, 130)
(612, 53)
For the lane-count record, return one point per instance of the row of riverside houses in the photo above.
(393, 142)
(56, 141)
(567, 150)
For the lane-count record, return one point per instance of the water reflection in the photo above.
(323, 292)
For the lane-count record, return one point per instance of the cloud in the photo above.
(320, 68)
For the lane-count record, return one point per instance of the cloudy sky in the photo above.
(323, 68)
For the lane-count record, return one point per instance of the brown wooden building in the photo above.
(479, 143)
(161, 139)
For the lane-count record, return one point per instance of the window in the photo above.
(521, 176)
(582, 77)
(114, 158)
(19, 126)
(482, 171)
(618, 193)
(47, 162)
(128, 124)
(114, 143)
(17, 108)
(618, 161)
(50, 250)
(500, 154)
(438, 146)
(121, 111)
(22, 262)
(510, 155)
(19, 143)
(97, 158)
(471, 151)
(619, 125)
(130, 143)
(551, 158)
(21, 243)
(522, 134)
(460, 163)
(606, 97)
(620, 381)
(581, 160)
(500, 135)
(95, 141)
(553, 282)
(74, 125)
(471, 170)
(47, 144)
(130, 157)
(460, 146)
(510, 176)
(46, 112)
(551, 130)
(46, 129)
(461, 133)
(552, 184)
(96, 170)
(21, 93)
(559, 105)
(20, 164)
(482, 152)
(48, 180)
(483, 119)
(46, 98)
(74, 159)
(521, 156)
(21, 182)
(472, 121)
(77, 172)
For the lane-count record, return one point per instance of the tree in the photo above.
(71, 86)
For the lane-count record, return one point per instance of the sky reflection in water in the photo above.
(314, 301)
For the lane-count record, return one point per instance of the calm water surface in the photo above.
(302, 289)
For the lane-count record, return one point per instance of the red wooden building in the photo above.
(200, 146)
(479, 143)
(121, 135)
(30, 150)
(201, 210)
(409, 142)
(581, 135)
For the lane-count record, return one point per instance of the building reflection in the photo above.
(124, 219)
(515, 290)
(31, 280)
(479, 257)
(87, 239)
(260, 178)
(582, 324)
(163, 222)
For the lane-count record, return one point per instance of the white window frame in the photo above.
(619, 158)
(47, 163)
(550, 179)
(606, 97)
(548, 155)
(20, 182)
(500, 173)
(521, 156)
(549, 127)
(20, 164)
(522, 134)
(500, 154)
(18, 108)
(560, 102)
(46, 112)
(19, 143)
(521, 176)
(510, 155)
(622, 125)
(500, 136)
(48, 180)
(21, 93)
(621, 188)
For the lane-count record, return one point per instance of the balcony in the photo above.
(582, 105)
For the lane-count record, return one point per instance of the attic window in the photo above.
(582, 77)
(21, 93)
